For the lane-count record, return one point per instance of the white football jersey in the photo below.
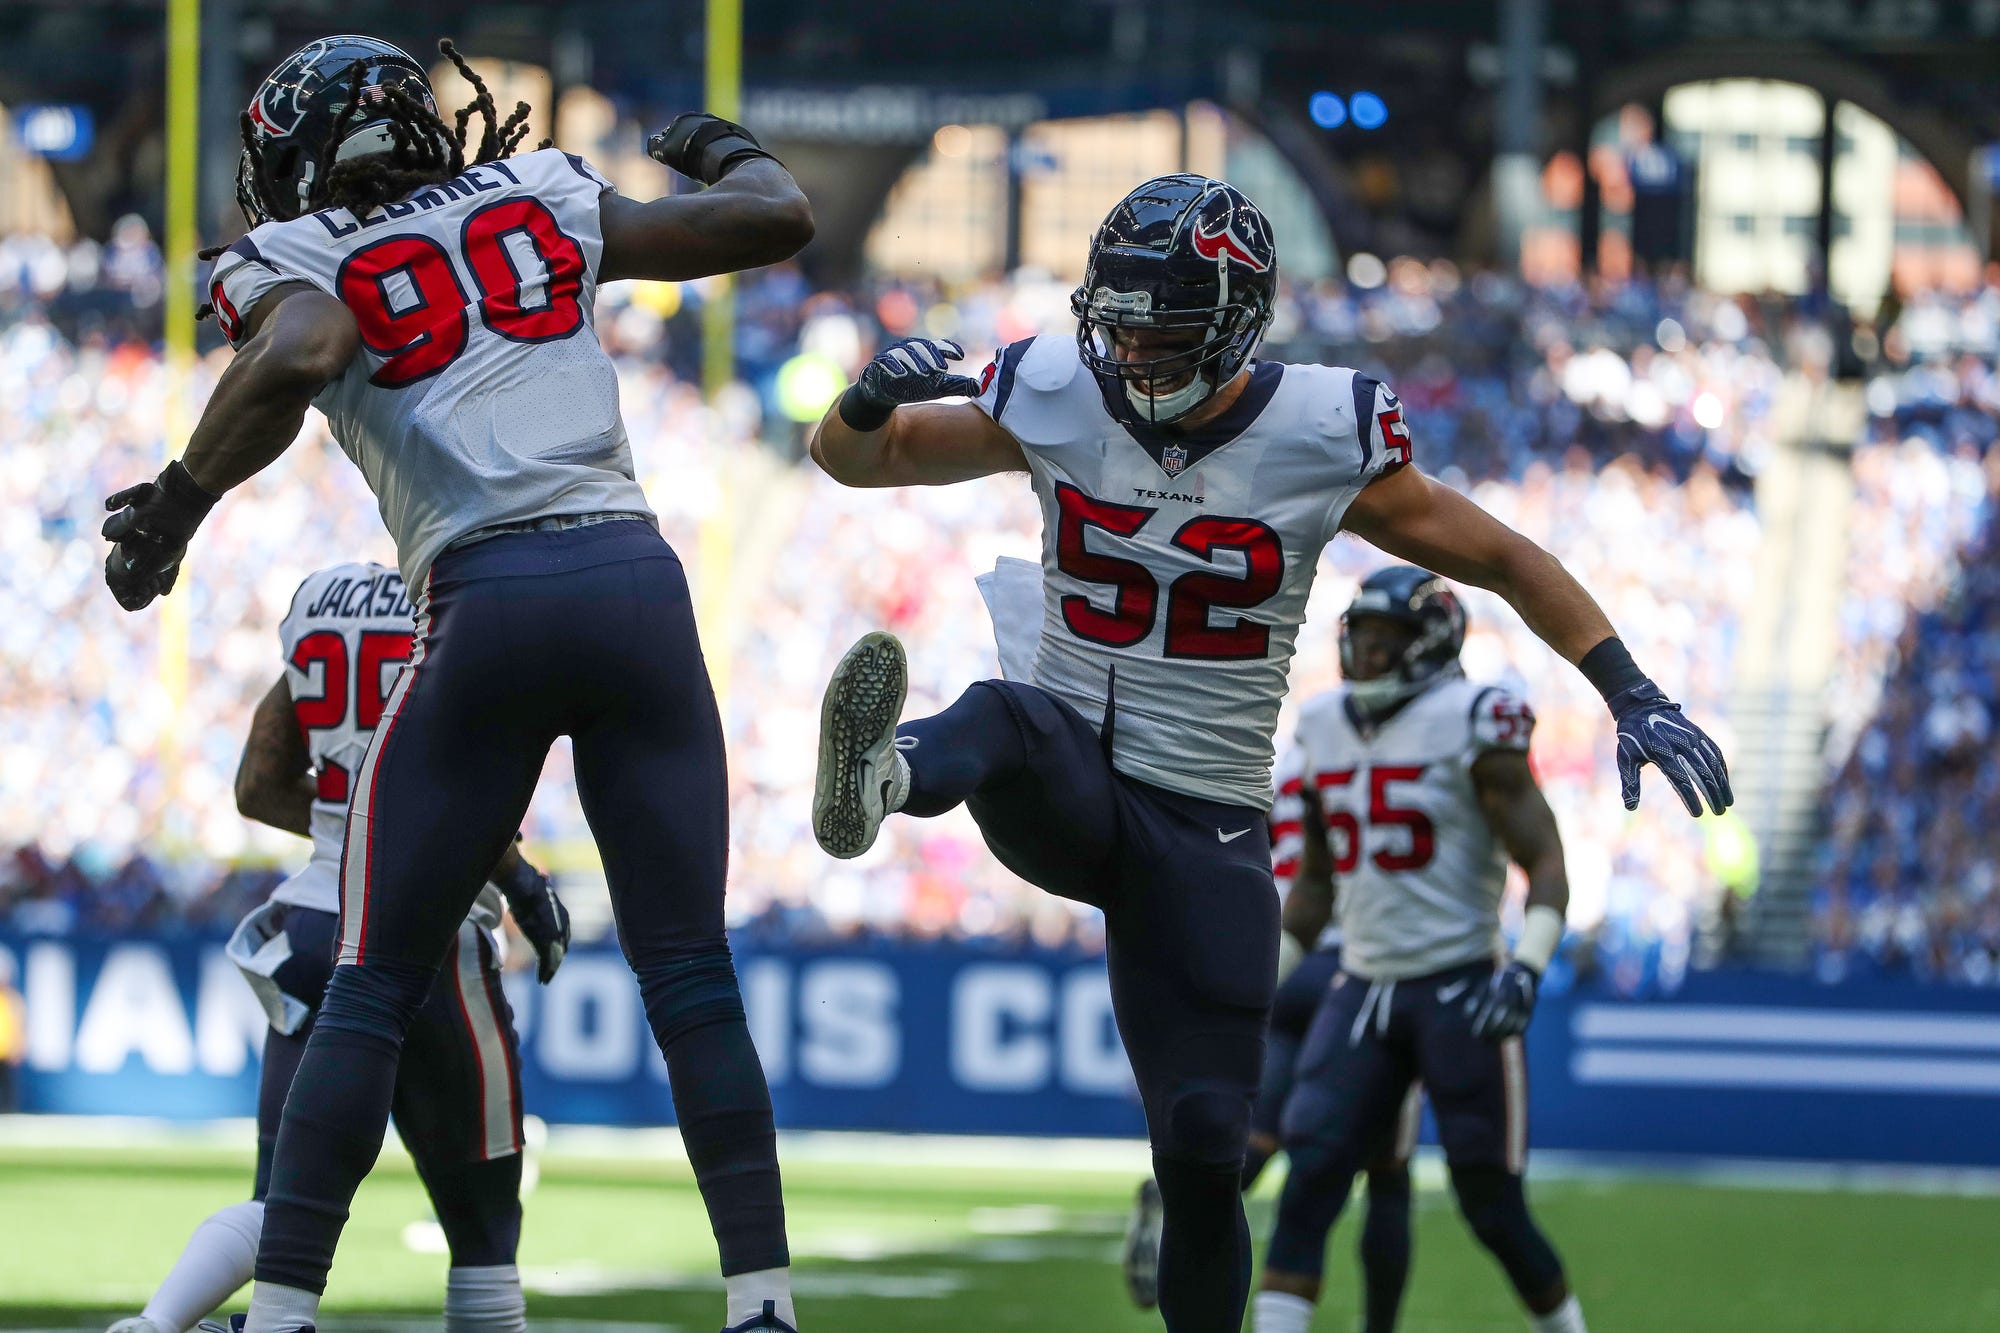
(1176, 566)
(1288, 812)
(346, 638)
(1418, 873)
(480, 395)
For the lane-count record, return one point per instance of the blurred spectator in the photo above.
(13, 1036)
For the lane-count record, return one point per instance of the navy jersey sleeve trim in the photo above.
(247, 248)
(1478, 702)
(1010, 362)
(1364, 417)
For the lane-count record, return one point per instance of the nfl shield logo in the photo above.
(1172, 459)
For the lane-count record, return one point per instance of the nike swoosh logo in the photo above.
(1220, 836)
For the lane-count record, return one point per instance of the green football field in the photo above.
(616, 1240)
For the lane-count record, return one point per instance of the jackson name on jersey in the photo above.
(346, 639)
(1176, 565)
(1418, 871)
(480, 396)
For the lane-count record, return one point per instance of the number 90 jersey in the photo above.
(480, 395)
(1418, 873)
(1176, 565)
(346, 639)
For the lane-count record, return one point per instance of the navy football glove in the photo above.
(1651, 729)
(540, 914)
(151, 524)
(1503, 1009)
(915, 370)
(703, 146)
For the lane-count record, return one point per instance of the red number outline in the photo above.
(1189, 633)
(1423, 834)
(1137, 600)
(413, 352)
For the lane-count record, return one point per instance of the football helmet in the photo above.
(1426, 604)
(301, 105)
(1179, 252)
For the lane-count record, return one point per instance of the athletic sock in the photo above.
(956, 752)
(747, 1293)
(276, 1308)
(1280, 1312)
(1565, 1318)
(485, 1300)
(218, 1259)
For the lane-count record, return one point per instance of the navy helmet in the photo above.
(1179, 252)
(1423, 602)
(300, 108)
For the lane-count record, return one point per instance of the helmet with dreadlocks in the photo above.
(351, 121)
(324, 104)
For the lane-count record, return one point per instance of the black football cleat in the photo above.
(234, 1324)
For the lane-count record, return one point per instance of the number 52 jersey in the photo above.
(1176, 565)
(480, 395)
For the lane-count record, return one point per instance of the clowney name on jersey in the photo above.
(480, 396)
(1419, 874)
(1176, 565)
(346, 639)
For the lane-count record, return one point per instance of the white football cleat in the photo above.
(861, 779)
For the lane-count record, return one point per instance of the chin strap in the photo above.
(1168, 407)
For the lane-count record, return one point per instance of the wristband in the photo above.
(1541, 932)
(177, 484)
(1611, 669)
(862, 413)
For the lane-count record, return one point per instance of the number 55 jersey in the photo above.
(1176, 564)
(480, 395)
(1419, 873)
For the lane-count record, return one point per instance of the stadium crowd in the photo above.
(1907, 875)
(1610, 422)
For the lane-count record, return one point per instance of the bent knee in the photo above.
(1207, 1127)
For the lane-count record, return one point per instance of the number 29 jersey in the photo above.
(480, 395)
(1418, 873)
(346, 638)
(1176, 565)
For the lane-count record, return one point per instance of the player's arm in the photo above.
(1309, 906)
(531, 898)
(297, 339)
(886, 431)
(752, 212)
(1520, 818)
(274, 783)
(1427, 523)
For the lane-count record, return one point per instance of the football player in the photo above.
(1187, 490)
(1308, 961)
(432, 293)
(457, 1101)
(1418, 794)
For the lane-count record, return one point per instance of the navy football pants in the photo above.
(1191, 920)
(586, 632)
(458, 1091)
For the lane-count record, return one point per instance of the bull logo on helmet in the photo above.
(1223, 242)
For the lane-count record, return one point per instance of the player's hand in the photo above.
(540, 914)
(703, 146)
(915, 370)
(1503, 1009)
(150, 525)
(1651, 729)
